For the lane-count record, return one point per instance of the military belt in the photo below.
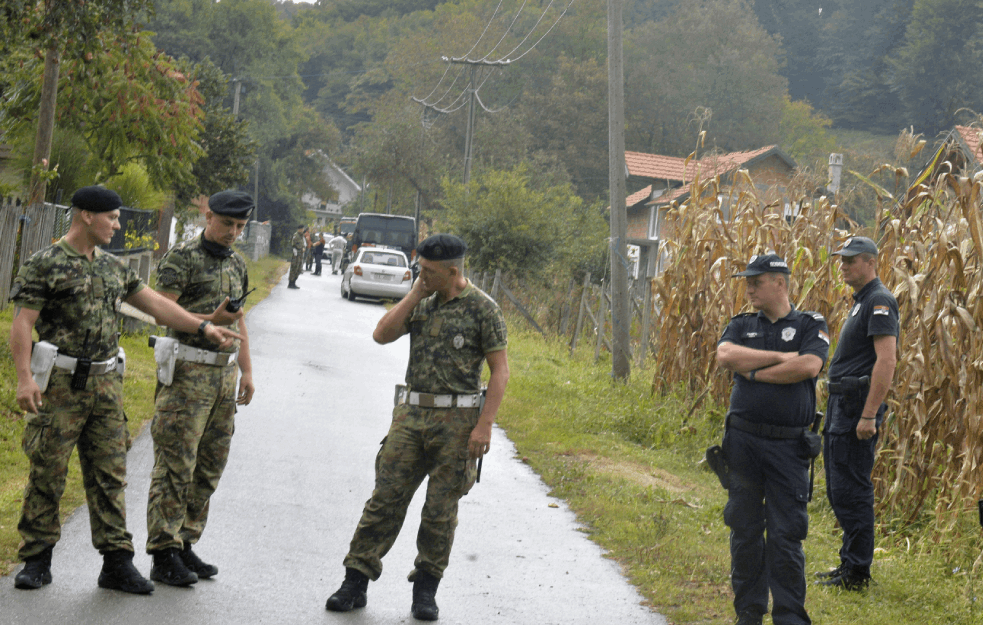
(205, 357)
(428, 400)
(848, 385)
(97, 368)
(765, 429)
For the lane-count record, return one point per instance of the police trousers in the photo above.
(421, 442)
(92, 420)
(194, 420)
(849, 462)
(766, 512)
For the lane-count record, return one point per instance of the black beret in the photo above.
(768, 263)
(235, 204)
(442, 247)
(96, 199)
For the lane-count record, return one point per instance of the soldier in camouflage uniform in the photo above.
(195, 415)
(70, 293)
(454, 328)
(298, 245)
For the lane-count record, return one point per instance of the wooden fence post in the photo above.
(643, 347)
(600, 323)
(565, 309)
(580, 315)
(498, 281)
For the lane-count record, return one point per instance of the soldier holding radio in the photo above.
(72, 386)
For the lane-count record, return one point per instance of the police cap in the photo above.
(442, 247)
(857, 245)
(768, 263)
(235, 204)
(96, 199)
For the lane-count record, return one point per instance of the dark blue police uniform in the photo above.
(769, 479)
(849, 461)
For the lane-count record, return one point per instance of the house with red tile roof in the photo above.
(664, 180)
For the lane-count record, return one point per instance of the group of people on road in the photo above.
(305, 251)
(70, 386)
(776, 355)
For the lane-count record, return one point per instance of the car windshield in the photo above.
(383, 258)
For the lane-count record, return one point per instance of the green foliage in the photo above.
(135, 189)
(803, 131)
(512, 225)
(711, 56)
(45, 24)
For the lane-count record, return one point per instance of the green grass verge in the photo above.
(138, 404)
(629, 465)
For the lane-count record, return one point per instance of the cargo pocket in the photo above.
(35, 433)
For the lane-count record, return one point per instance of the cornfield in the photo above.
(929, 464)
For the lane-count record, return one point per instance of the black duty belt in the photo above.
(848, 385)
(765, 430)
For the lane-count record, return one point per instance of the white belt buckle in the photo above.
(443, 401)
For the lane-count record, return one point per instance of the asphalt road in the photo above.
(300, 470)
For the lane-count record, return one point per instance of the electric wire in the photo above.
(529, 34)
(442, 76)
(507, 31)
(487, 26)
(544, 34)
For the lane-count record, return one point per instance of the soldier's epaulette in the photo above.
(814, 315)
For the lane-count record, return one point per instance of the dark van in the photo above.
(346, 226)
(387, 230)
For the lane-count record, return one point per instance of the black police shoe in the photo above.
(848, 579)
(169, 569)
(118, 573)
(832, 573)
(424, 604)
(195, 564)
(36, 571)
(351, 594)
(748, 617)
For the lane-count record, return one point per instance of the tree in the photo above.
(709, 55)
(803, 131)
(939, 68)
(513, 226)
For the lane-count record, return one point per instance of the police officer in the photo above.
(71, 293)
(195, 409)
(860, 376)
(775, 355)
(298, 245)
(318, 253)
(437, 430)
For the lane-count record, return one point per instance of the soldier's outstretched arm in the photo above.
(28, 392)
(170, 314)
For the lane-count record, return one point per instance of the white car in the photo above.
(377, 272)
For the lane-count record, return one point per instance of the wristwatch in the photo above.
(201, 328)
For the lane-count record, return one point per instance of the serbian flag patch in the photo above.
(881, 310)
(824, 337)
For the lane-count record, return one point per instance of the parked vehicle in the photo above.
(377, 272)
(346, 226)
(397, 231)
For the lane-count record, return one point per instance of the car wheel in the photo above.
(351, 293)
(343, 294)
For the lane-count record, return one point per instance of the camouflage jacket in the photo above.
(201, 281)
(298, 242)
(76, 297)
(449, 341)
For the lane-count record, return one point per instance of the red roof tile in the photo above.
(638, 196)
(660, 167)
(971, 136)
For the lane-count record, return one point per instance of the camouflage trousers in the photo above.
(194, 420)
(420, 442)
(295, 266)
(93, 421)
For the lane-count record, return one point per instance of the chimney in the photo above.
(835, 169)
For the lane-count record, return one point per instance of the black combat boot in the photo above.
(748, 617)
(195, 565)
(118, 573)
(831, 574)
(352, 592)
(849, 578)
(292, 285)
(424, 604)
(36, 571)
(169, 569)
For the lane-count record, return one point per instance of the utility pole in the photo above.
(620, 312)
